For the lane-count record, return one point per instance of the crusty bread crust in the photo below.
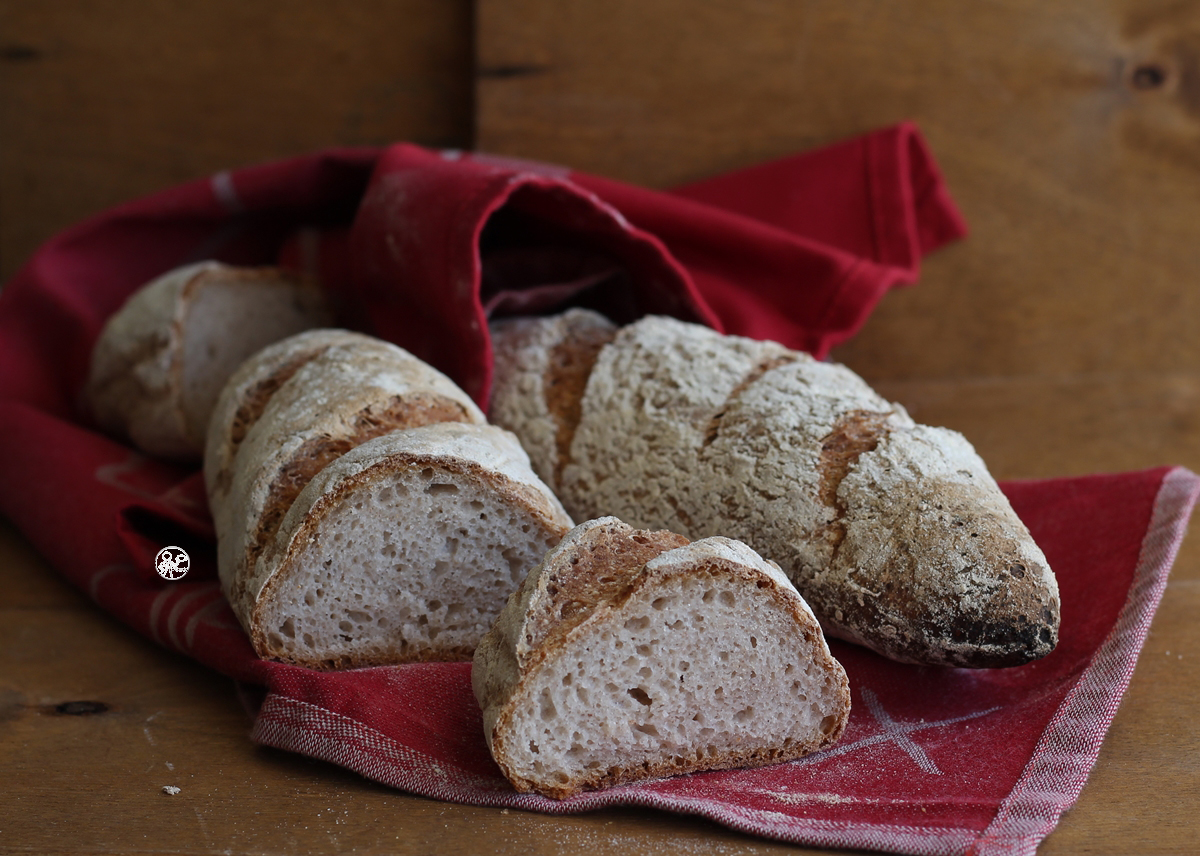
(246, 394)
(161, 359)
(894, 532)
(601, 573)
(549, 361)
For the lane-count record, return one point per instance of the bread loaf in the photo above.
(162, 359)
(895, 533)
(628, 655)
(403, 549)
(290, 411)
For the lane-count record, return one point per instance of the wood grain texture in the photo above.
(105, 100)
(1069, 132)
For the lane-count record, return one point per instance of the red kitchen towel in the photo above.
(427, 245)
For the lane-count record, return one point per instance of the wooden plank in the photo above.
(105, 100)
(1067, 132)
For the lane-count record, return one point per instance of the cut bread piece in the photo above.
(248, 391)
(161, 360)
(629, 655)
(403, 549)
(344, 395)
(894, 532)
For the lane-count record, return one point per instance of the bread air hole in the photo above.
(648, 729)
(440, 489)
(828, 724)
(640, 696)
(516, 563)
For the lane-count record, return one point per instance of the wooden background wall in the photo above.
(105, 100)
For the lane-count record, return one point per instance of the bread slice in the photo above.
(403, 549)
(352, 390)
(161, 360)
(629, 655)
(248, 391)
(894, 532)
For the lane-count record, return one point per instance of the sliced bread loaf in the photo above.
(894, 532)
(345, 394)
(628, 655)
(161, 360)
(405, 548)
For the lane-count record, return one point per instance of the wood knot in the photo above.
(1148, 76)
(80, 708)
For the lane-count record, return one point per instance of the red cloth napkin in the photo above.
(421, 246)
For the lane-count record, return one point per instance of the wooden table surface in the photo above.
(1061, 337)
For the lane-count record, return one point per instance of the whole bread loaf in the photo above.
(162, 359)
(628, 655)
(894, 532)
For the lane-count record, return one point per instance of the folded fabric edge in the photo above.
(302, 727)
(1065, 755)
